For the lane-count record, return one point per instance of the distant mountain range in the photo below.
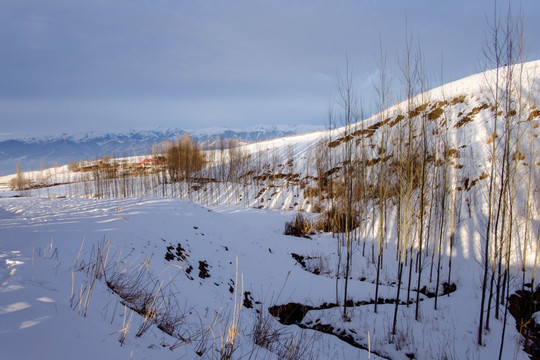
(45, 151)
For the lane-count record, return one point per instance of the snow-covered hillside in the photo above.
(112, 253)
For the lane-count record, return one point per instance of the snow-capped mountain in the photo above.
(44, 151)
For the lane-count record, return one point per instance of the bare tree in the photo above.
(422, 178)
(492, 53)
(382, 88)
(349, 105)
(19, 181)
(406, 167)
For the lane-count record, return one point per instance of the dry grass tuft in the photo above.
(299, 227)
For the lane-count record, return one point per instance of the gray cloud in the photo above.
(95, 64)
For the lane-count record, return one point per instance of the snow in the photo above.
(536, 317)
(207, 257)
(160, 132)
(41, 239)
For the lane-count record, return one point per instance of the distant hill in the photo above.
(38, 152)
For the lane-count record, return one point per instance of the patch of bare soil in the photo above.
(177, 253)
(203, 270)
(522, 305)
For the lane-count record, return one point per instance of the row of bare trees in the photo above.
(509, 234)
(409, 177)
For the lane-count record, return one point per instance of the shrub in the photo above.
(335, 222)
(74, 166)
(264, 332)
(299, 227)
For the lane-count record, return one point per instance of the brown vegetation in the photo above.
(299, 227)
(183, 158)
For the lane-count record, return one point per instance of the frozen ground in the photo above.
(42, 237)
(41, 316)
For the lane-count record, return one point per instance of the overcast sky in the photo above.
(78, 65)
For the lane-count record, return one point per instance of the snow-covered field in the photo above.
(41, 239)
(43, 296)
